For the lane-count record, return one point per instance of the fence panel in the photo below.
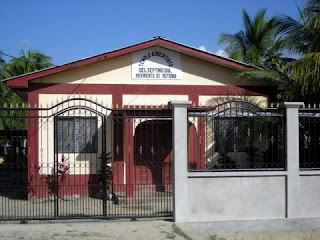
(236, 135)
(309, 138)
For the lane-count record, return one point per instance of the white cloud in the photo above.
(24, 43)
(221, 53)
(203, 48)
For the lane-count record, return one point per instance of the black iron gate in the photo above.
(80, 159)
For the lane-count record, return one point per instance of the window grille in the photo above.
(76, 135)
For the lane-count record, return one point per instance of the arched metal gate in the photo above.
(80, 159)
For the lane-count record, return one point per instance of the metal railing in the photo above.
(309, 138)
(236, 135)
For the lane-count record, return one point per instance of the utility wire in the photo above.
(2, 53)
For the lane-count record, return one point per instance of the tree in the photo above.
(257, 43)
(303, 37)
(300, 77)
(31, 61)
(1, 61)
(260, 45)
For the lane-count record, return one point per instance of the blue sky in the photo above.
(68, 30)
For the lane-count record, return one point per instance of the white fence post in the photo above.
(180, 159)
(292, 143)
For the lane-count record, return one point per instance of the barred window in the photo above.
(76, 134)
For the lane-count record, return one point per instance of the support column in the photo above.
(292, 143)
(180, 159)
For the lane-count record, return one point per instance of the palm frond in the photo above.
(236, 45)
(261, 74)
(2, 62)
(307, 69)
(312, 13)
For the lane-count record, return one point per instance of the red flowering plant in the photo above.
(34, 170)
(54, 181)
(63, 169)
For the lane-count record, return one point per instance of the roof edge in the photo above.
(22, 80)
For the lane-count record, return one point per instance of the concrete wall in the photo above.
(309, 194)
(243, 195)
(254, 195)
(234, 197)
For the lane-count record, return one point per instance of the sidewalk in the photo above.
(294, 229)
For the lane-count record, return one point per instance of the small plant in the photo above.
(106, 178)
(170, 236)
(180, 232)
(215, 237)
(35, 169)
(53, 181)
(63, 169)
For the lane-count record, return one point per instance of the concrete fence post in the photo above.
(180, 159)
(292, 144)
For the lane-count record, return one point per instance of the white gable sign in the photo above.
(156, 63)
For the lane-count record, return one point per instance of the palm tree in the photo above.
(2, 62)
(257, 44)
(31, 61)
(299, 77)
(303, 37)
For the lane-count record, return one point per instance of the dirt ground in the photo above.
(293, 229)
(140, 229)
(42, 208)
